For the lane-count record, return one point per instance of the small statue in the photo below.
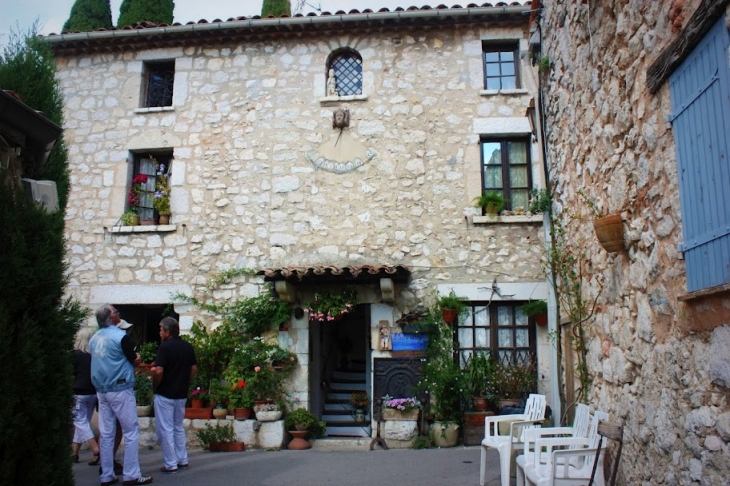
(331, 84)
(341, 118)
(385, 343)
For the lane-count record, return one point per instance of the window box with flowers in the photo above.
(400, 408)
(331, 306)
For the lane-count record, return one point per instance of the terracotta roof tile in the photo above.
(147, 25)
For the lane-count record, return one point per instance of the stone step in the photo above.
(348, 376)
(344, 418)
(338, 406)
(348, 431)
(337, 386)
(342, 443)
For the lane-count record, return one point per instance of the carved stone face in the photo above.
(340, 119)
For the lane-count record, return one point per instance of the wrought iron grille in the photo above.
(160, 81)
(348, 72)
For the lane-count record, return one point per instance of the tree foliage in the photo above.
(277, 8)
(37, 324)
(156, 11)
(89, 15)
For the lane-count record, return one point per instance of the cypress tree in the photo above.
(89, 15)
(276, 8)
(157, 11)
(37, 323)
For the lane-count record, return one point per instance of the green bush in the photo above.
(156, 11)
(89, 15)
(304, 419)
(215, 433)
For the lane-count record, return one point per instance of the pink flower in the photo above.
(257, 369)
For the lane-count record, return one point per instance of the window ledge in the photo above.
(154, 109)
(506, 92)
(535, 218)
(153, 228)
(704, 292)
(337, 99)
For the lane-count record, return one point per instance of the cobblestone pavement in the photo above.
(458, 466)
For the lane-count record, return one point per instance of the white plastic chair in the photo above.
(578, 429)
(561, 465)
(532, 417)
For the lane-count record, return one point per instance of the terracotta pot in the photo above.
(480, 403)
(196, 403)
(199, 413)
(164, 219)
(449, 315)
(541, 319)
(242, 413)
(147, 222)
(476, 419)
(220, 413)
(610, 232)
(298, 443)
(226, 446)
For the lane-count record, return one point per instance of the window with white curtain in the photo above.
(506, 170)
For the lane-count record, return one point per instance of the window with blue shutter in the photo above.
(700, 92)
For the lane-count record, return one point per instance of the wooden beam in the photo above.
(672, 56)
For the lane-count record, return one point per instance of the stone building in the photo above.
(319, 152)
(636, 102)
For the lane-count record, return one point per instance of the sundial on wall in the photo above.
(341, 153)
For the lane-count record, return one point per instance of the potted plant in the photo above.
(161, 200)
(198, 396)
(134, 195)
(331, 306)
(609, 228)
(148, 352)
(540, 201)
(130, 218)
(267, 412)
(143, 392)
(537, 309)
(451, 305)
(220, 411)
(478, 372)
(359, 400)
(253, 316)
(512, 382)
(239, 399)
(304, 420)
(400, 408)
(491, 202)
(219, 438)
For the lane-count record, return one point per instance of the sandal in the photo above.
(96, 460)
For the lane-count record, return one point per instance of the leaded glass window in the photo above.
(347, 67)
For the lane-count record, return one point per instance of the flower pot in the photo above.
(359, 415)
(226, 446)
(164, 219)
(449, 315)
(480, 403)
(392, 414)
(445, 434)
(220, 413)
(133, 220)
(268, 416)
(196, 403)
(199, 413)
(541, 319)
(144, 410)
(610, 232)
(491, 209)
(241, 413)
(298, 443)
(147, 222)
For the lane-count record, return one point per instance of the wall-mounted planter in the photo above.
(610, 232)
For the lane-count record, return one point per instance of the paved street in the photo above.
(457, 466)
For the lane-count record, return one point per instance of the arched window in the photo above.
(344, 74)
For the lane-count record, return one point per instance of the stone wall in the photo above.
(244, 193)
(658, 364)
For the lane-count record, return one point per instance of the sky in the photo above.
(19, 15)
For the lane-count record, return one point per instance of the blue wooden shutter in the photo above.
(700, 92)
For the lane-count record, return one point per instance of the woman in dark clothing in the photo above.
(84, 397)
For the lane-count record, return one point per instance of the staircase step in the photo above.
(348, 431)
(342, 419)
(337, 386)
(348, 376)
(332, 407)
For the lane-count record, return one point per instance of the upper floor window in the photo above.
(500, 66)
(344, 74)
(506, 170)
(159, 78)
(499, 329)
(149, 167)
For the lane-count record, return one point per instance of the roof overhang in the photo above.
(334, 274)
(148, 35)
